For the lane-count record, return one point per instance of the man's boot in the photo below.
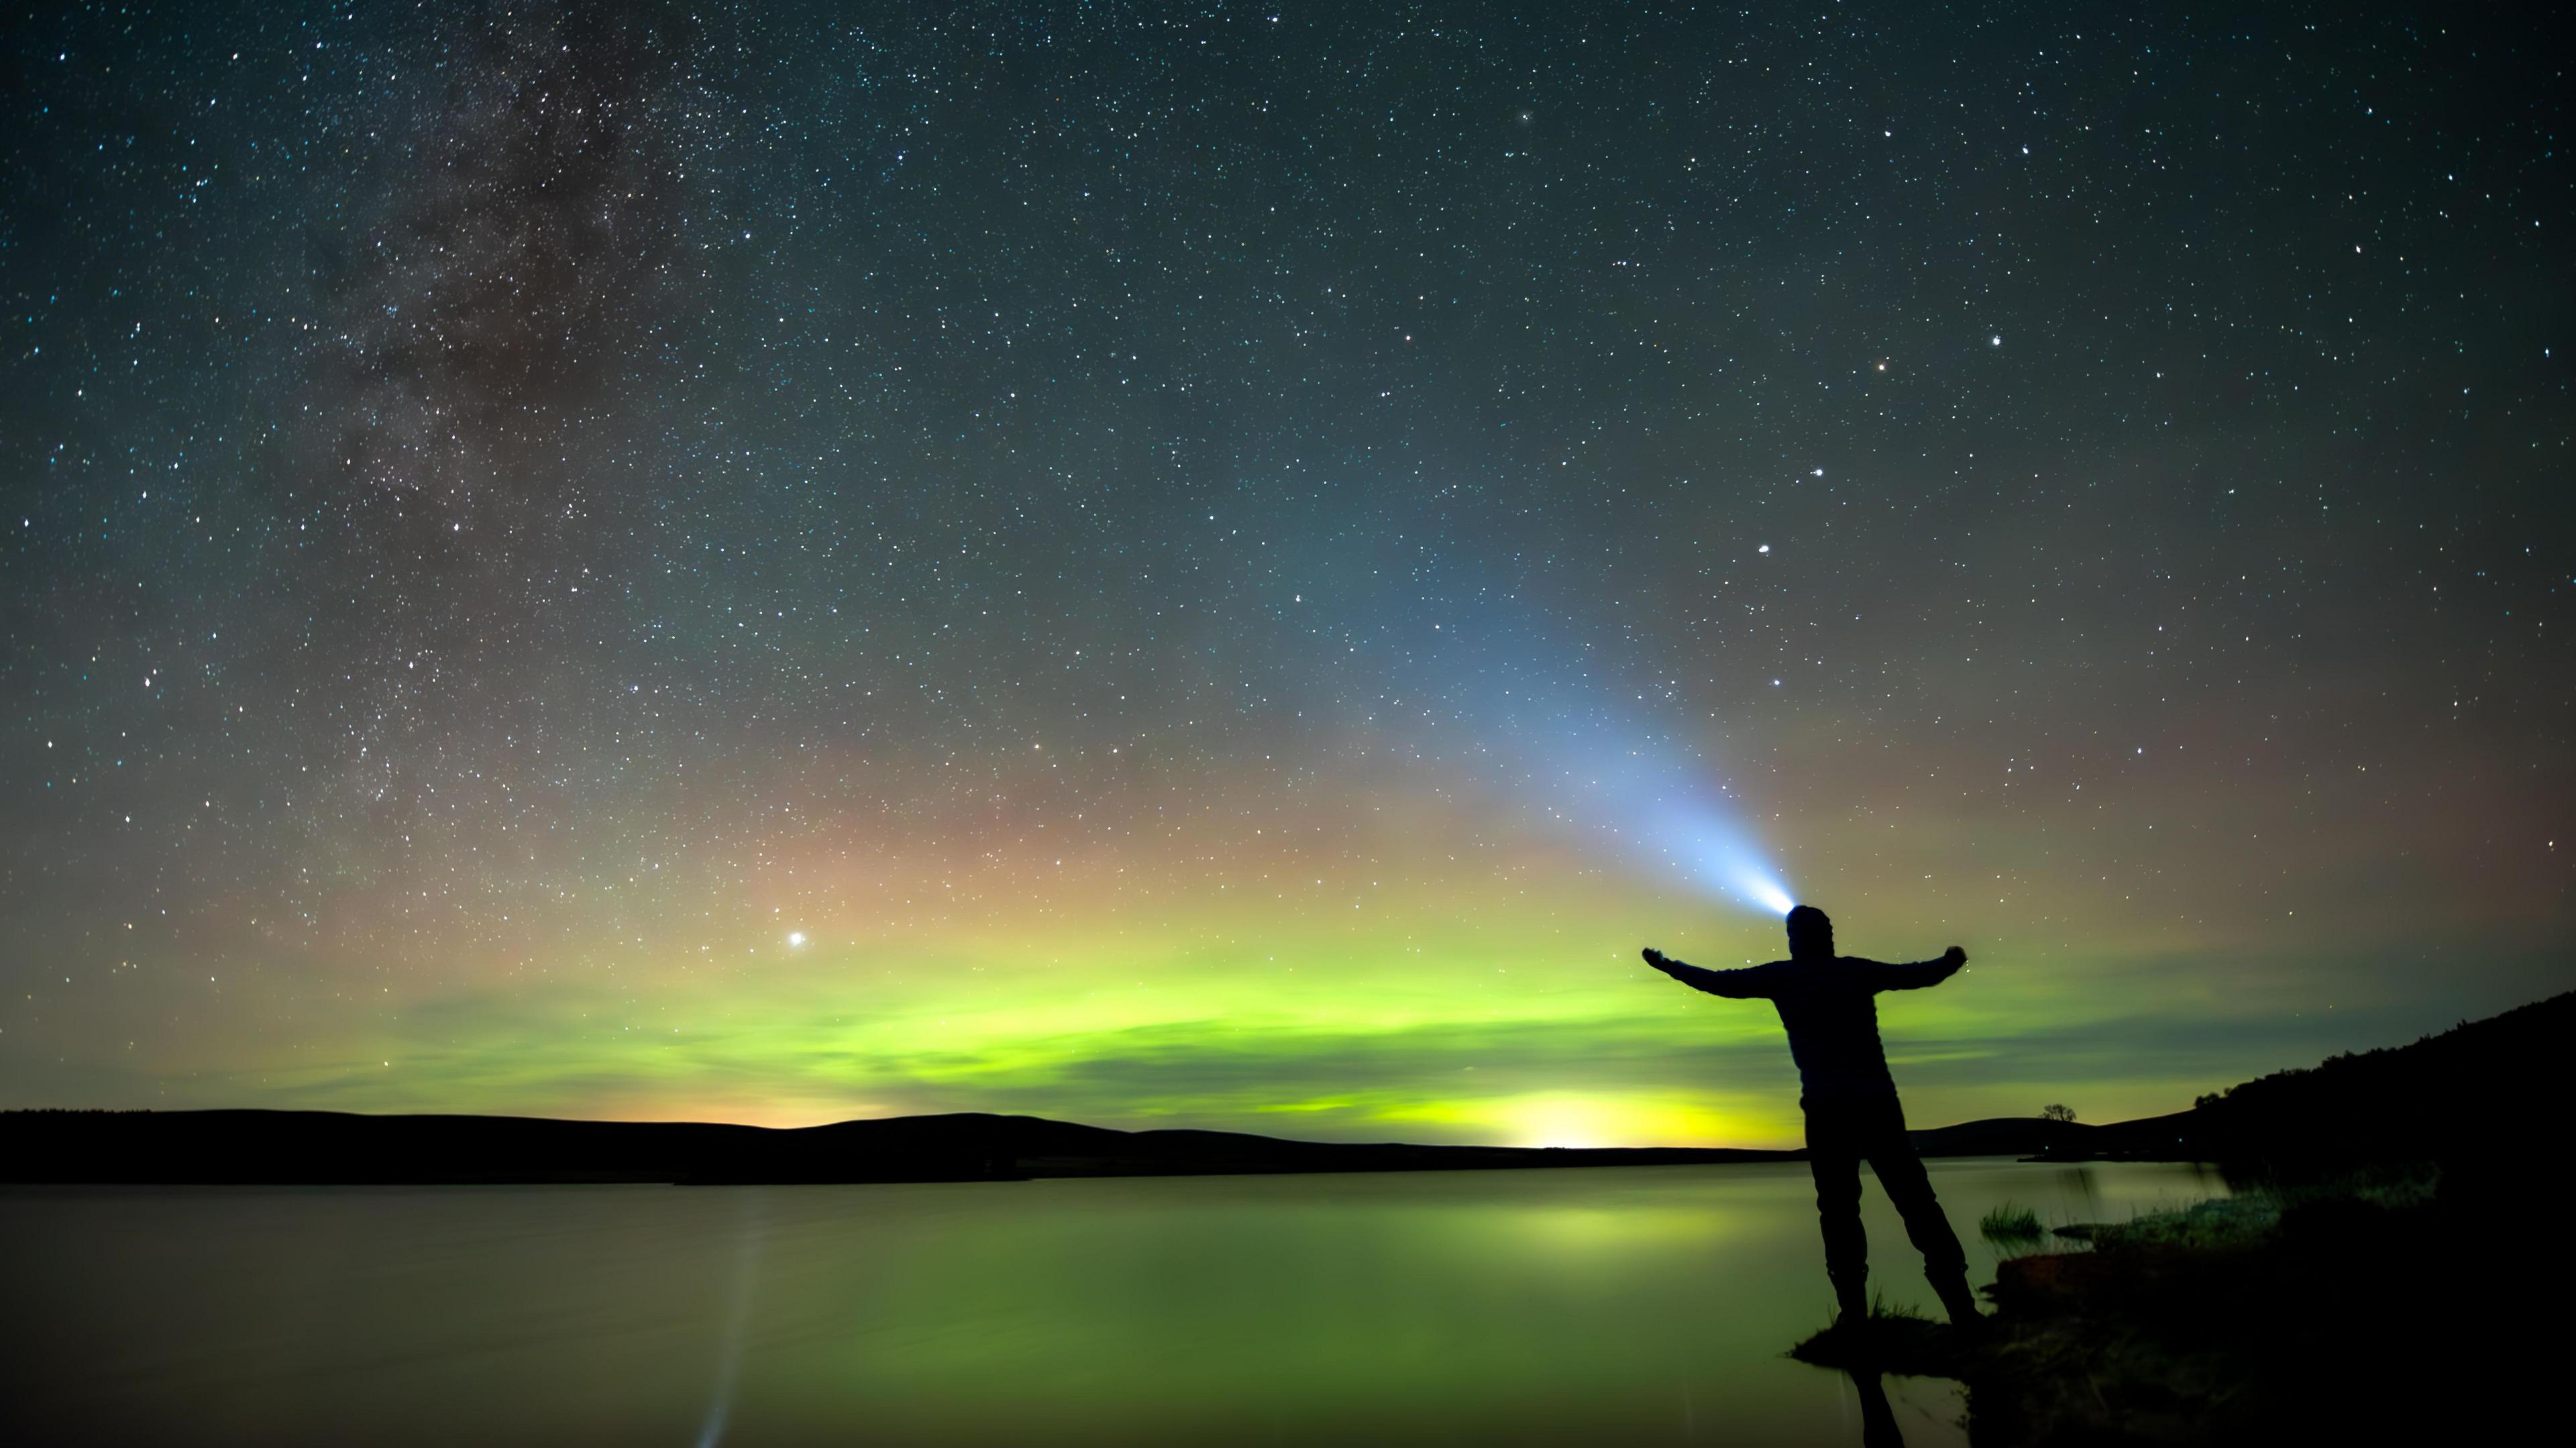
(1851, 1298)
(1958, 1301)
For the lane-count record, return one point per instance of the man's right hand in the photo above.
(1955, 956)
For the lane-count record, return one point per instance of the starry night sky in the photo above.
(1160, 565)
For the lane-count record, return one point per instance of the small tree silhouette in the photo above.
(2057, 1113)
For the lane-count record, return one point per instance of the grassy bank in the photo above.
(2374, 1305)
(2377, 1277)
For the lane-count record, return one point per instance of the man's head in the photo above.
(1811, 934)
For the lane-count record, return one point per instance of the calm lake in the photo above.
(1647, 1305)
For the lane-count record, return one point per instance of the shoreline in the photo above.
(315, 1148)
(2302, 1312)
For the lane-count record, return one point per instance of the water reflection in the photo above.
(737, 1316)
(2082, 1186)
(1631, 1305)
(1877, 1416)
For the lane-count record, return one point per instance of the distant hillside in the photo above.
(2482, 1089)
(341, 1147)
(337, 1147)
(2465, 1092)
(2152, 1138)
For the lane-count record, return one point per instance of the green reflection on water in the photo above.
(1649, 1305)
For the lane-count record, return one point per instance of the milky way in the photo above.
(786, 562)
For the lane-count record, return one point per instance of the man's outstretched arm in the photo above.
(1752, 983)
(1919, 974)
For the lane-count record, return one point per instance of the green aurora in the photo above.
(776, 565)
(1407, 988)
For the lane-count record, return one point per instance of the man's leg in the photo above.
(1901, 1175)
(1835, 1159)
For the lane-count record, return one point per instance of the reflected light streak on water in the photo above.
(1521, 1309)
(737, 1319)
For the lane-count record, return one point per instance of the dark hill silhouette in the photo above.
(332, 1146)
(2450, 1098)
(327, 1146)
(2150, 1138)
(2481, 1088)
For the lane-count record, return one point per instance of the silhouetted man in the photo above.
(1829, 1004)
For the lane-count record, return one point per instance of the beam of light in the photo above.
(1557, 713)
(1700, 845)
(737, 1323)
(1686, 829)
(1724, 856)
(1621, 777)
